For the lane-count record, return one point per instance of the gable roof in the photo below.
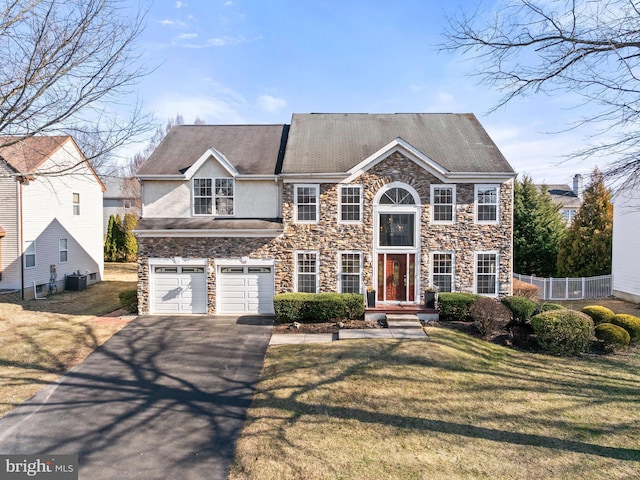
(335, 143)
(563, 195)
(27, 155)
(250, 149)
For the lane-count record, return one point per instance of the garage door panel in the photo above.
(179, 292)
(242, 290)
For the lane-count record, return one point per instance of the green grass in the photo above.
(451, 407)
(41, 339)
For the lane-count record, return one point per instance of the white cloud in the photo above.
(217, 42)
(228, 3)
(170, 23)
(271, 104)
(180, 4)
(186, 36)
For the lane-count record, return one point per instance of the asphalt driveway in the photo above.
(165, 398)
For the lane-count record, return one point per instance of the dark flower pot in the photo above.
(430, 299)
(371, 299)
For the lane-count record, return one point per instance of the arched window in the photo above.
(397, 196)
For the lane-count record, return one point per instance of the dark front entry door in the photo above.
(396, 277)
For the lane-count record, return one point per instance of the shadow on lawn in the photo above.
(164, 393)
(495, 369)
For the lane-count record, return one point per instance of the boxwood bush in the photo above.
(563, 332)
(630, 323)
(612, 336)
(456, 305)
(547, 307)
(317, 307)
(599, 314)
(129, 300)
(522, 308)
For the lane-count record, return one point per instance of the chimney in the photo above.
(577, 185)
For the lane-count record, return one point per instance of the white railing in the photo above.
(570, 288)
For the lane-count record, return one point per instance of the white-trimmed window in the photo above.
(224, 196)
(30, 254)
(486, 273)
(486, 203)
(213, 196)
(76, 204)
(306, 199)
(443, 203)
(442, 264)
(307, 271)
(350, 204)
(350, 268)
(63, 250)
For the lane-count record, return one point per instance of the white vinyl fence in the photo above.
(570, 288)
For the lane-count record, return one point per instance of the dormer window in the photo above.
(213, 196)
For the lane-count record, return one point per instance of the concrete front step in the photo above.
(403, 321)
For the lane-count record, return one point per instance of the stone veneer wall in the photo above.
(328, 237)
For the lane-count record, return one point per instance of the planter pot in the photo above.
(371, 299)
(430, 300)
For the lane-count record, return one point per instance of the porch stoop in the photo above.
(381, 312)
(404, 320)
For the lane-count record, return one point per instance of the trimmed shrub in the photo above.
(526, 290)
(548, 307)
(599, 314)
(489, 316)
(456, 306)
(129, 300)
(630, 323)
(612, 336)
(317, 307)
(563, 332)
(521, 308)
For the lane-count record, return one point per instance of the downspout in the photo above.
(20, 244)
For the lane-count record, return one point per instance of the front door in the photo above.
(396, 274)
(396, 277)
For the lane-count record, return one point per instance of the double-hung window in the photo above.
(76, 204)
(30, 254)
(307, 272)
(306, 200)
(443, 203)
(486, 273)
(486, 203)
(350, 267)
(63, 250)
(442, 271)
(350, 203)
(213, 196)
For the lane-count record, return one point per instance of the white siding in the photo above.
(9, 250)
(172, 199)
(48, 216)
(626, 243)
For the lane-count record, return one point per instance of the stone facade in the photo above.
(328, 236)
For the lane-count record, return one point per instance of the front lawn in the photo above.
(451, 407)
(41, 339)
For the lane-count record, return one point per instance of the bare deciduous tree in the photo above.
(66, 67)
(588, 47)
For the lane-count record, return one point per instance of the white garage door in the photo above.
(245, 289)
(179, 289)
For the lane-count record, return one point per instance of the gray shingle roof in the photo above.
(151, 224)
(563, 195)
(251, 149)
(334, 143)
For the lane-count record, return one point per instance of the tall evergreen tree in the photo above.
(130, 244)
(537, 230)
(586, 250)
(109, 244)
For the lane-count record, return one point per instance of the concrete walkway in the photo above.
(346, 334)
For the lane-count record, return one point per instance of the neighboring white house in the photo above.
(626, 241)
(122, 196)
(569, 199)
(50, 225)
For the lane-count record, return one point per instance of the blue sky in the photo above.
(259, 61)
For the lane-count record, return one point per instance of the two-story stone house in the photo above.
(233, 214)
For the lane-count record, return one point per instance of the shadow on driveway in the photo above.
(166, 397)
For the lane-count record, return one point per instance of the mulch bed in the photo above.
(327, 327)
